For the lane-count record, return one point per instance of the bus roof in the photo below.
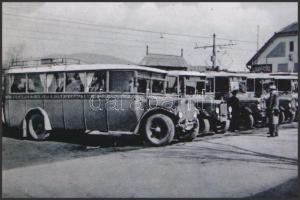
(259, 75)
(185, 73)
(224, 74)
(292, 77)
(81, 67)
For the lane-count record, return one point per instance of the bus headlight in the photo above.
(258, 106)
(230, 109)
(217, 110)
(195, 115)
(180, 114)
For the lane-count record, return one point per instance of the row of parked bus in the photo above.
(129, 99)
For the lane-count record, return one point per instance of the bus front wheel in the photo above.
(204, 126)
(36, 127)
(159, 130)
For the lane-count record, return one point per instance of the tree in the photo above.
(15, 53)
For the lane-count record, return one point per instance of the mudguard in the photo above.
(162, 110)
(31, 111)
(281, 108)
(204, 114)
(247, 110)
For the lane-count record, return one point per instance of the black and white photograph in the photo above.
(149, 100)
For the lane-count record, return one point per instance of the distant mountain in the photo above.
(91, 58)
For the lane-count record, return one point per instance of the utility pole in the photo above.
(213, 58)
(214, 55)
(257, 38)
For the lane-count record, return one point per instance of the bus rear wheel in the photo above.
(281, 117)
(36, 127)
(159, 130)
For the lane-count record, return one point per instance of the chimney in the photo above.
(147, 50)
(181, 52)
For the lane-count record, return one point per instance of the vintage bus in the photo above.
(287, 86)
(213, 114)
(96, 98)
(220, 85)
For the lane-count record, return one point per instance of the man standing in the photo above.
(234, 102)
(273, 111)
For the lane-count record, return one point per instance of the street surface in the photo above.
(231, 165)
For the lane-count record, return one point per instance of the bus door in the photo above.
(73, 101)
(120, 103)
(53, 102)
(36, 86)
(15, 101)
(95, 101)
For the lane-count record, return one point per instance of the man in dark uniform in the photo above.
(272, 104)
(234, 102)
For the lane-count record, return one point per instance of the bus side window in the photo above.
(96, 81)
(210, 85)
(142, 85)
(157, 86)
(121, 81)
(36, 82)
(18, 83)
(171, 87)
(74, 82)
(55, 82)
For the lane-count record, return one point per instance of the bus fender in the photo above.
(204, 114)
(150, 112)
(45, 115)
(247, 110)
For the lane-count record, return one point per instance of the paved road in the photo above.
(229, 166)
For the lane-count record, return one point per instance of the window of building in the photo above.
(55, 82)
(121, 81)
(277, 51)
(291, 46)
(282, 67)
(96, 81)
(18, 83)
(75, 82)
(36, 82)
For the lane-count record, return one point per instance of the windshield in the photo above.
(195, 85)
(295, 86)
(284, 85)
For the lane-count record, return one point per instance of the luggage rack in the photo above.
(45, 61)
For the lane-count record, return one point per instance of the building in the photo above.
(165, 62)
(279, 54)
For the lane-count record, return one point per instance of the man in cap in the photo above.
(234, 102)
(272, 104)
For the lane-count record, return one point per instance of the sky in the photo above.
(124, 29)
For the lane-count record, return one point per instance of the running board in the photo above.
(116, 133)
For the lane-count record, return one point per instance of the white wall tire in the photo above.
(36, 127)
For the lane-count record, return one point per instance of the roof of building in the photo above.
(162, 60)
(81, 67)
(291, 29)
